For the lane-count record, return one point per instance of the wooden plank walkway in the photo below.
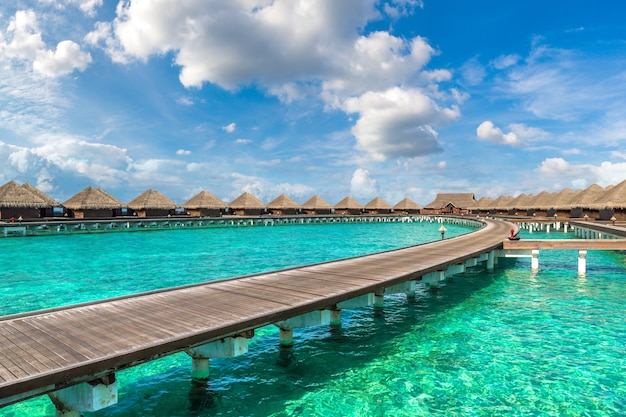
(50, 349)
(580, 244)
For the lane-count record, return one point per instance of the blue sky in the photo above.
(403, 98)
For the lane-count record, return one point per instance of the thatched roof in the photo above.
(45, 197)
(316, 202)
(151, 199)
(406, 204)
(348, 203)
(543, 200)
(615, 197)
(459, 200)
(204, 200)
(92, 198)
(502, 202)
(588, 197)
(282, 202)
(562, 199)
(519, 202)
(246, 201)
(483, 203)
(14, 195)
(377, 203)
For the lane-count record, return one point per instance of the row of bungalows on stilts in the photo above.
(25, 202)
(591, 203)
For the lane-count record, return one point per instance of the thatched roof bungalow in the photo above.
(406, 206)
(316, 205)
(247, 205)
(348, 205)
(283, 205)
(585, 202)
(93, 203)
(450, 203)
(482, 206)
(378, 206)
(152, 203)
(612, 203)
(204, 204)
(17, 202)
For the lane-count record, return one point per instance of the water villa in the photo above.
(204, 204)
(152, 203)
(349, 205)
(93, 203)
(18, 201)
(316, 205)
(378, 206)
(283, 205)
(247, 205)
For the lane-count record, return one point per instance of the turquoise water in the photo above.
(510, 342)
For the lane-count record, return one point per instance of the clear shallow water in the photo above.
(511, 342)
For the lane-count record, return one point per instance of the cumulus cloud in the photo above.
(183, 152)
(230, 128)
(67, 157)
(487, 131)
(23, 42)
(362, 185)
(64, 60)
(398, 123)
(242, 141)
(604, 174)
(295, 49)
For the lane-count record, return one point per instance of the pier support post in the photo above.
(335, 318)
(491, 261)
(87, 396)
(313, 318)
(534, 264)
(582, 261)
(224, 348)
(379, 299)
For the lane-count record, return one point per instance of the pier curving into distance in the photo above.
(72, 353)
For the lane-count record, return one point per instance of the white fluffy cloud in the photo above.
(22, 41)
(362, 185)
(295, 49)
(560, 170)
(230, 128)
(398, 123)
(487, 131)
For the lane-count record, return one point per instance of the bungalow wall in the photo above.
(91, 213)
(16, 212)
(318, 211)
(205, 212)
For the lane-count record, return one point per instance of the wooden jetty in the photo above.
(72, 353)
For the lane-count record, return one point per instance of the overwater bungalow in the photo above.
(18, 202)
(247, 205)
(152, 203)
(283, 205)
(585, 202)
(204, 204)
(349, 205)
(450, 203)
(539, 205)
(378, 206)
(93, 203)
(612, 203)
(406, 206)
(54, 208)
(316, 205)
(482, 206)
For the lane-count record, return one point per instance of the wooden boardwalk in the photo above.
(51, 349)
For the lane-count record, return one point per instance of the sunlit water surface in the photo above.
(510, 342)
